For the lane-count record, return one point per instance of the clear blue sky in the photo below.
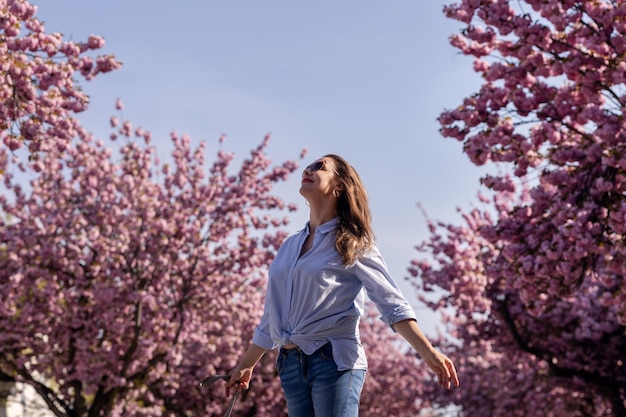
(361, 78)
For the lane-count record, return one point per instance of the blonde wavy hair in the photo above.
(354, 231)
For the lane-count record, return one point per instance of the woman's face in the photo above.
(319, 180)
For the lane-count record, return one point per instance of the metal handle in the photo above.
(231, 405)
(212, 378)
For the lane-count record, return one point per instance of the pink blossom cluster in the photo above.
(514, 358)
(535, 281)
(37, 79)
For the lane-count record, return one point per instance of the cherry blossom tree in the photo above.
(534, 278)
(38, 88)
(127, 280)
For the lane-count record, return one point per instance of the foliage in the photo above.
(536, 277)
(38, 90)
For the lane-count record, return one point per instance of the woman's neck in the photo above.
(321, 213)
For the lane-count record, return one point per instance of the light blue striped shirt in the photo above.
(315, 299)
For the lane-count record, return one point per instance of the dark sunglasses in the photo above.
(318, 165)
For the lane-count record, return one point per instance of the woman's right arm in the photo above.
(242, 373)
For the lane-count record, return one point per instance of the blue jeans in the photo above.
(315, 388)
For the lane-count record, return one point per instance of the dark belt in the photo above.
(289, 346)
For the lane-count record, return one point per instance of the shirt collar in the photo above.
(326, 227)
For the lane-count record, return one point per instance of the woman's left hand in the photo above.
(437, 361)
(443, 368)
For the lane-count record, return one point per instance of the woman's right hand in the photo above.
(242, 373)
(239, 379)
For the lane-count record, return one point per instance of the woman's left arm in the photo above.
(437, 361)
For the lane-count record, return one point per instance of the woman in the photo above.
(315, 298)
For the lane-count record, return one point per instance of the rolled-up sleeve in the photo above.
(382, 289)
(261, 336)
